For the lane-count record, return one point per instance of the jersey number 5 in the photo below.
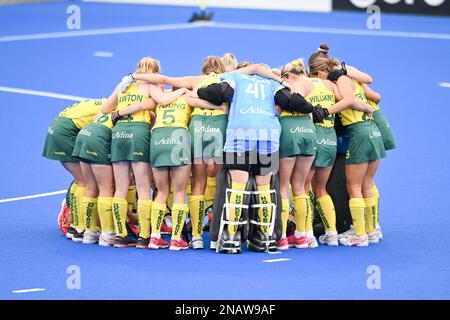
(168, 118)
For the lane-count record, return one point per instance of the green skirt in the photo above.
(130, 141)
(60, 140)
(326, 147)
(386, 132)
(93, 144)
(365, 143)
(298, 137)
(170, 147)
(208, 136)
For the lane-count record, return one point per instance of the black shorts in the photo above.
(252, 162)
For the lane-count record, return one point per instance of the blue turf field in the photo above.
(414, 180)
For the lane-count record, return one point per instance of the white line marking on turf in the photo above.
(276, 260)
(40, 195)
(42, 93)
(353, 32)
(103, 54)
(28, 290)
(444, 84)
(97, 32)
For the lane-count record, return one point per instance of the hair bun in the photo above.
(324, 48)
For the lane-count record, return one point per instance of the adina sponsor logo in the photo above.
(375, 134)
(327, 142)
(254, 110)
(301, 130)
(167, 141)
(85, 132)
(122, 135)
(207, 129)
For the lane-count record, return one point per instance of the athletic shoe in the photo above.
(283, 244)
(178, 244)
(330, 239)
(349, 232)
(64, 218)
(78, 236)
(132, 230)
(373, 237)
(70, 232)
(291, 241)
(157, 243)
(165, 229)
(379, 232)
(355, 241)
(213, 245)
(91, 237)
(124, 242)
(196, 243)
(142, 243)
(106, 239)
(312, 242)
(301, 242)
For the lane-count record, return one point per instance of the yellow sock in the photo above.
(144, 208)
(301, 209)
(326, 210)
(131, 197)
(89, 207)
(104, 207)
(120, 208)
(81, 215)
(357, 210)
(210, 191)
(197, 213)
(265, 213)
(179, 211)
(309, 215)
(157, 216)
(235, 198)
(284, 216)
(371, 214)
(376, 195)
(291, 194)
(73, 205)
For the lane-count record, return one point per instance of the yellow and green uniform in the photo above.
(170, 141)
(62, 133)
(326, 135)
(207, 128)
(365, 142)
(93, 143)
(131, 134)
(383, 126)
(298, 135)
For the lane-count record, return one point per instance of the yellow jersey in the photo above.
(209, 79)
(350, 116)
(373, 104)
(82, 113)
(174, 115)
(131, 96)
(323, 96)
